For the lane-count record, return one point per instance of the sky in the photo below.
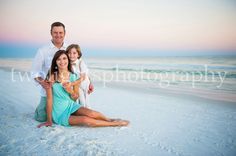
(121, 28)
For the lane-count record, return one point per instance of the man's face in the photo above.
(58, 35)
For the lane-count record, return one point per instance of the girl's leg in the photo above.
(82, 100)
(91, 122)
(82, 111)
(87, 99)
(86, 95)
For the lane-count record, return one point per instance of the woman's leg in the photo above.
(82, 111)
(91, 122)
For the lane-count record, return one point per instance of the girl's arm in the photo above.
(75, 95)
(84, 69)
(78, 81)
(68, 87)
(76, 85)
(72, 89)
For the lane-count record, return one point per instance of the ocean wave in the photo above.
(203, 72)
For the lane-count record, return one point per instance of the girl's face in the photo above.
(62, 62)
(73, 54)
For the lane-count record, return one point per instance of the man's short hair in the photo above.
(58, 24)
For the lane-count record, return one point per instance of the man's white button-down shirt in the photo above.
(42, 62)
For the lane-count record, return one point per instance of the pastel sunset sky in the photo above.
(124, 27)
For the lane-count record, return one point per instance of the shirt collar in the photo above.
(64, 45)
(76, 62)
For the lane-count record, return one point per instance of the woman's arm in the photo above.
(48, 106)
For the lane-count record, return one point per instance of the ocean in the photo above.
(203, 75)
(210, 73)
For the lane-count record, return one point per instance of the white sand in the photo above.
(162, 123)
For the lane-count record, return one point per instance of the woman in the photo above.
(61, 108)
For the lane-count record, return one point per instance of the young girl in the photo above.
(63, 110)
(80, 68)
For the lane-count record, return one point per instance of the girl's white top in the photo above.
(80, 67)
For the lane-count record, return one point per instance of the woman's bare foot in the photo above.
(122, 122)
(113, 120)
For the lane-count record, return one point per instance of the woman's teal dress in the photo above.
(63, 105)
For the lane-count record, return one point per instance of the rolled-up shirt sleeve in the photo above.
(37, 65)
(83, 68)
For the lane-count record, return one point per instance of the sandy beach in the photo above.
(164, 121)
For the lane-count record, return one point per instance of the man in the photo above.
(42, 63)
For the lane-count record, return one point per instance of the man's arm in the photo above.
(37, 73)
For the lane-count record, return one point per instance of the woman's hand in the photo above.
(48, 123)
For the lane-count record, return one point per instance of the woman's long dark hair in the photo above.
(54, 67)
